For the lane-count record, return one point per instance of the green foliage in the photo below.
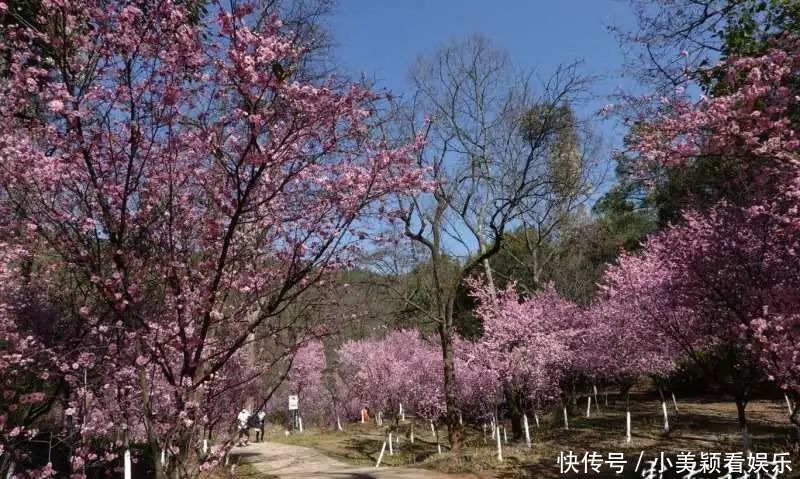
(574, 259)
(752, 25)
(747, 28)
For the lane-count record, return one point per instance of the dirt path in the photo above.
(297, 462)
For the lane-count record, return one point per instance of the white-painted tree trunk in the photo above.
(505, 436)
(126, 464)
(674, 402)
(627, 426)
(300, 423)
(596, 402)
(499, 445)
(205, 446)
(484, 432)
(412, 432)
(666, 416)
(391, 449)
(493, 427)
(438, 444)
(163, 458)
(536, 419)
(460, 419)
(566, 420)
(588, 406)
(433, 430)
(380, 456)
(338, 424)
(788, 403)
(527, 430)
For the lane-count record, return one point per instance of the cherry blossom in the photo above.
(185, 194)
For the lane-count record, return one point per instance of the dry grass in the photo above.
(699, 426)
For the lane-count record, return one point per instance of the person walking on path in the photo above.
(241, 424)
(262, 424)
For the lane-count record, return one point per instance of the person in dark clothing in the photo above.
(253, 426)
(262, 424)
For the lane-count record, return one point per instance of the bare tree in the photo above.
(676, 40)
(492, 135)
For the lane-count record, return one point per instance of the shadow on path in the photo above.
(296, 462)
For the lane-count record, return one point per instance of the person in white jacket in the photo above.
(241, 425)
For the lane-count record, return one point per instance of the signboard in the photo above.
(294, 403)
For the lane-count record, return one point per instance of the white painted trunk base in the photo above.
(627, 426)
(380, 456)
(527, 430)
(499, 445)
(126, 464)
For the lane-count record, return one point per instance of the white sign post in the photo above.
(294, 413)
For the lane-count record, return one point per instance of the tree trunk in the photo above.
(489, 276)
(795, 415)
(625, 391)
(454, 429)
(574, 396)
(741, 404)
(627, 414)
(515, 412)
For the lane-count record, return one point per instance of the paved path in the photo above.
(297, 462)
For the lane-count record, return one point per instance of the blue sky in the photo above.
(381, 38)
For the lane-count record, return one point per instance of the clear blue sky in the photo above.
(381, 38)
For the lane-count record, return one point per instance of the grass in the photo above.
(699, 426)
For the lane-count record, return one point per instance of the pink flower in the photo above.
(56, 106)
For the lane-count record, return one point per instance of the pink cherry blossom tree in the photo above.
(728, 266)
(399, 368)
(527, 345)
(188, 187)
(26, 364)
